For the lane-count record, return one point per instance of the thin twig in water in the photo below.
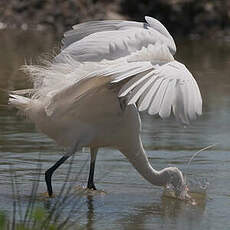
(59, 200)
(64, 198)
(14, 197)
(68, 197)
(196, 153)
(35, 194)
(30, 207)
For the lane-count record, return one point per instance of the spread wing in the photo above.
(169, 87)
(110, 40)
(138, 56)
(158, 89)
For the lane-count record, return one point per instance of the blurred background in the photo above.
(193, 18)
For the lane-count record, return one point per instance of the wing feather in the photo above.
(197, 98)
(158, 98)
(169, 87)
(95, 41)
(133, 83)
(179, 104)
(145, 101)
(82, 30)
(145, 67)
(167, 102)
(139, 90)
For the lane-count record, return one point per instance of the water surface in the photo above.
(129, 202)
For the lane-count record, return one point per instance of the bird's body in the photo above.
(97, 121)
(92, 92)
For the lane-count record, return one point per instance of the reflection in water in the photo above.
(169, 212)
(181, 213)
(90, 213)
(130, 202)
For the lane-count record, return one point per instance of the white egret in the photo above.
(91, 93)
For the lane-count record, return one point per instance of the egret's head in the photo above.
(176, 181)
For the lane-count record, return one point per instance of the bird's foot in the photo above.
(46, 194)
(91, 187)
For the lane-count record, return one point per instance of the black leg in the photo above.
(90, 184)
(91, 176)
(49, 173)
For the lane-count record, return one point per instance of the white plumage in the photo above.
(106, 72)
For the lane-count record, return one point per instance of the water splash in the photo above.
(193, 188)
(197, 185)
(194, 191)
(180, 194)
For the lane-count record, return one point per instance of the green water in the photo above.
(129, 202)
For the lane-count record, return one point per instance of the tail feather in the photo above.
(20, 102)
(23, 92)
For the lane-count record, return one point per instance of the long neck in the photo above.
(137, 157)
